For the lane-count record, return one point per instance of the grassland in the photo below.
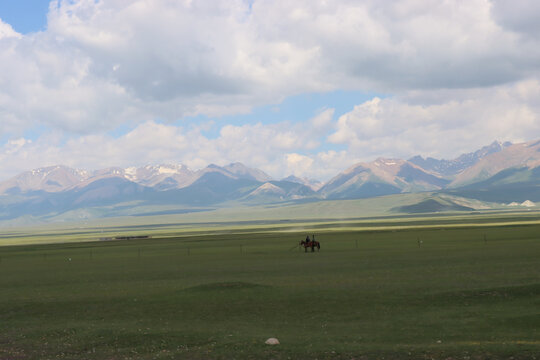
(458, 287)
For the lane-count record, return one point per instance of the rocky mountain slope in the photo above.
(452, 167)
(500, 172)
(381, 177)
(525, 155)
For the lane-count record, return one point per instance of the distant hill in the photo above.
(432, 206)
(278, 191)
(497, 173)
(507, 186)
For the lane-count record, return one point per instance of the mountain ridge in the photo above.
(452, 167)
(498, 172)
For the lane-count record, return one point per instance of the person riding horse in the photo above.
(310, 243)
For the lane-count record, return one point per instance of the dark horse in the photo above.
(310, 244)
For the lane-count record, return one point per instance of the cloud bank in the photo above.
(456, 76)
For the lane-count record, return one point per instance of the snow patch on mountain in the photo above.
(130, 173)
(167, 170)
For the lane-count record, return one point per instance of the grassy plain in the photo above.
(458, 287)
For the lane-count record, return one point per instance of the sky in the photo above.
(306, 87)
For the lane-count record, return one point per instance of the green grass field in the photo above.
(452, 288)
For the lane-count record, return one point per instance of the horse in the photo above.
(310, 244)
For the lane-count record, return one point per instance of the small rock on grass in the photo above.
(272, 341)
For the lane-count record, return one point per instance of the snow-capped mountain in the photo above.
(162, 177)
(159, 177)
(49, 179)
(381, 177)
(452, 167)
(513, 156)
(499, 172)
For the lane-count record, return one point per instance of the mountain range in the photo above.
(499, 172)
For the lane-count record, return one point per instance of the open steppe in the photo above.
(445, 287)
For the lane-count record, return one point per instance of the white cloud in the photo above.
(322, 122)
(6, 31)
(298, 165)
(13, 146)
(257, 145)
(406, 44)
(520, 16)
(444, 126)
(457, 76)
(103, 63)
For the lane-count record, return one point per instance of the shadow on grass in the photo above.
(491, 294)
(220, 286)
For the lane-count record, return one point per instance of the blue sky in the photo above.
(25, 16)
(306, 88)
(293, 109)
